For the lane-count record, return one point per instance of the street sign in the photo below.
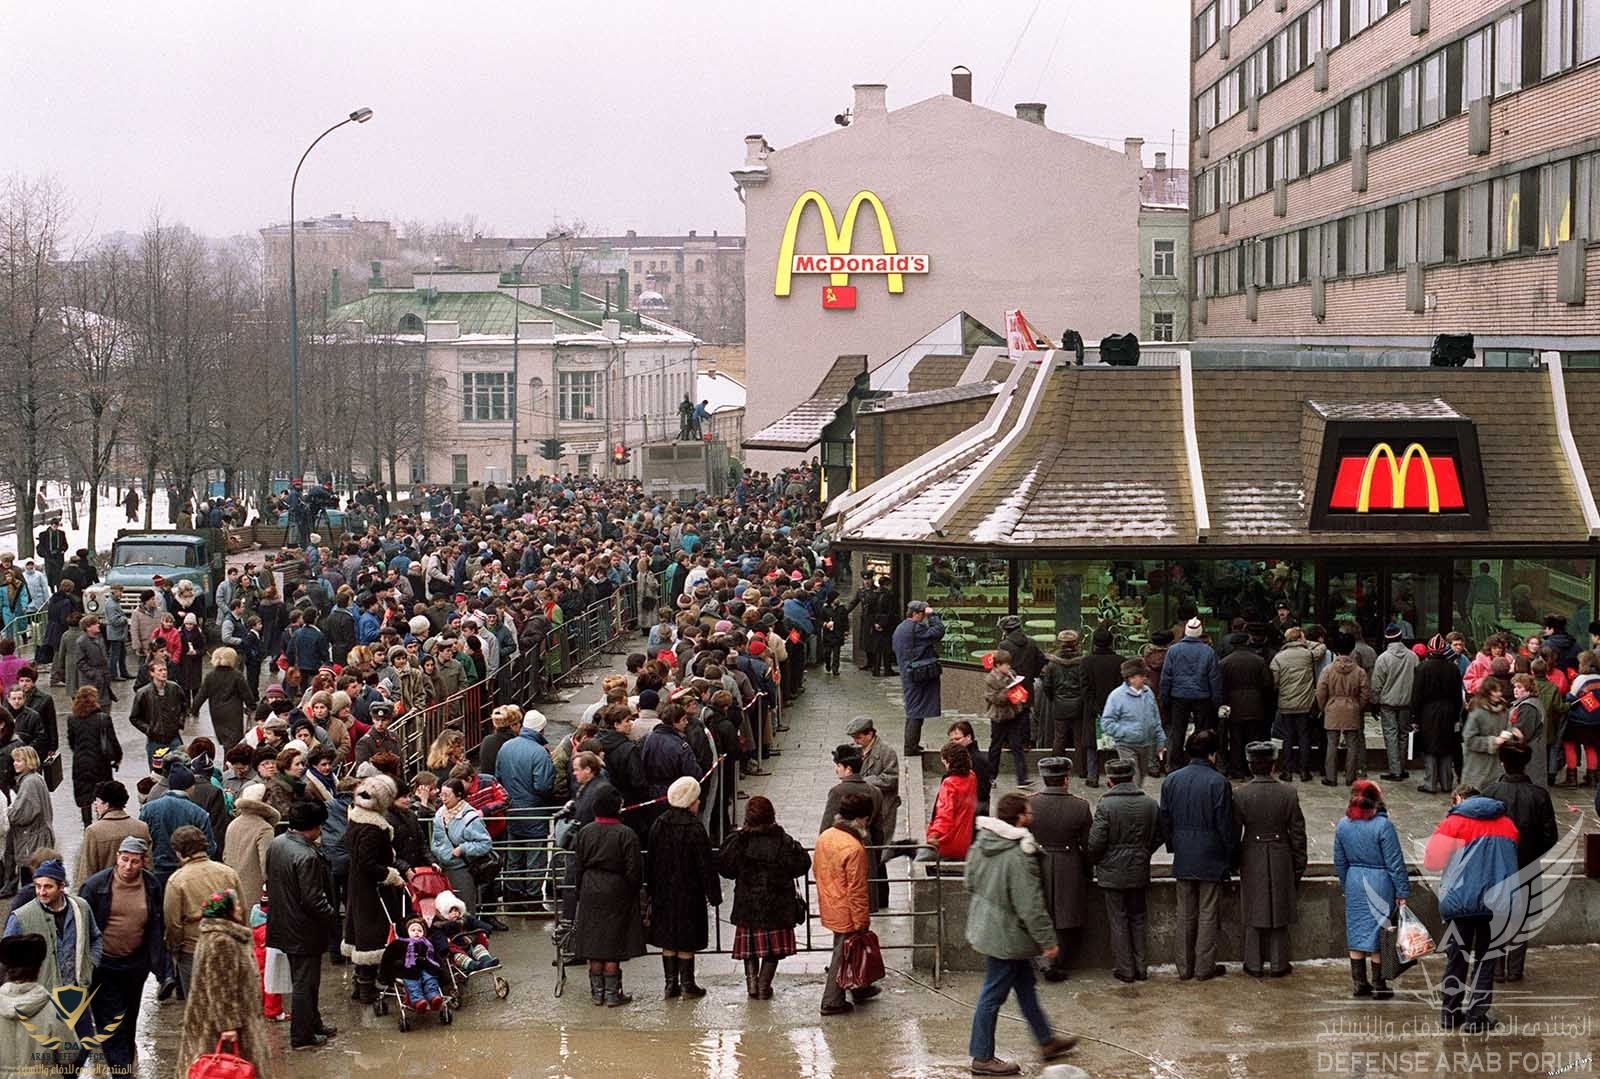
(578, 449)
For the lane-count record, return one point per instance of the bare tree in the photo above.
(96, 365)
(32, 339)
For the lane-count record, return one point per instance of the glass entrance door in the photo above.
(1353, 594)
(1415, 600)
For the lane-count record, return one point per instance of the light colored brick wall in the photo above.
(1508, 297)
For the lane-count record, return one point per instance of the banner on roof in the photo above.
(1020, 336)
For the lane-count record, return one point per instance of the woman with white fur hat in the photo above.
(682, 879)
(374, 894)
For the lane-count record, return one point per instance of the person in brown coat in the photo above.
(1272, 859)
(1061, 823)
(112, 825)
(1344, 695)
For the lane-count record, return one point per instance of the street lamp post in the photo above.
(516, 338)
(360, 116)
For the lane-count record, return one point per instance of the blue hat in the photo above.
(51, 869)
(1391, 632)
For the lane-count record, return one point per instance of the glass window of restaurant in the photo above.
(970, 594)
(1124, 595)
(1222, 590)
(1512, 595)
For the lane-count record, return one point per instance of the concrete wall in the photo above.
(1319, 934)
(1010, 213)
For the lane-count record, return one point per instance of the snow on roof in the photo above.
(722, 390)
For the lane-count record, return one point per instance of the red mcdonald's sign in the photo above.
(1413, 482)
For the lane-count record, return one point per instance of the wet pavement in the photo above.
(1303, 1025)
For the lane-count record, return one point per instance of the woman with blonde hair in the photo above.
(507, 720)
(30, 816)
(447, 751)
(229, 693)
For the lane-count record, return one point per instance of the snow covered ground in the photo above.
(111, 518)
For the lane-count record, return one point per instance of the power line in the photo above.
(1012, 55)
(1066, 13)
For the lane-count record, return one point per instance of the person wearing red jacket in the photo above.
(955, 808)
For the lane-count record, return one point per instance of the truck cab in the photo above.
(138, 558)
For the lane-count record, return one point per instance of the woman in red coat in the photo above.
(956, 806)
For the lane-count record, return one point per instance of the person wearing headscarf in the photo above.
(1372, 874)
(191, 657)
(681, 877)
(224, 1004)
(373, 898)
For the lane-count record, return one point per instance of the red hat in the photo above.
(158, 579)
(757, 647)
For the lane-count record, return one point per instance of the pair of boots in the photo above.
(679, 972)
(606, 989)
(1377, 989)
(758, 975)
(364, 989)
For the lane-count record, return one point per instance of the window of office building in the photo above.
(1557, 37)
(1431, 75)
(1475, 221)
(1506, 214)
(458, 468)
(578, 392)
(1377, 113)
(1164, 258)
(484, 396)
(1588, 30)
(1163, 326)
(1431, 215)
(1475, 73)
(1555, 203)
(1408, 100)
(1508, 55)
(1205, 30)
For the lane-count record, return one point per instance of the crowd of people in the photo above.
(368, 704)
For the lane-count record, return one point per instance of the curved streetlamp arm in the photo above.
(302, 161)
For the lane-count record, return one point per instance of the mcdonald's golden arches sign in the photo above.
(839, 260)
(1423, 475)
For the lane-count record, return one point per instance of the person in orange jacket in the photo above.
(840, 863)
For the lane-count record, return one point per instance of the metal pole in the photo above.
(359, 116)
(516, 338)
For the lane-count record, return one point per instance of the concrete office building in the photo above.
(981, 211)
(1370, 173)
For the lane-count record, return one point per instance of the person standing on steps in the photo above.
(1197, 819)
(763, 861)
(1008, 925)
(1272, 859)
(1061, 693)
(1061, 823)
(1393, 679)
(1027, 660)
(843, 886)
(880, 768)
(1191, 690)
(916, 644)
(1372, 874)
(302, 919)
(1125, 832)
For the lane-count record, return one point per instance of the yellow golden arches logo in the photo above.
(838, 236)
(1397, 476)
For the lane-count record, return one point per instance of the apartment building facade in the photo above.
(1366, 174)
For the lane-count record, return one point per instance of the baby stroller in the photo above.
(460, 941)
(390, 975)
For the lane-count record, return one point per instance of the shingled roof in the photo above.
(1102, 464)
(801, 427)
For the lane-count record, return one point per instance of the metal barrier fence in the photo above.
(26, 627)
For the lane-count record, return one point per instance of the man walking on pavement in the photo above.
(53, 549)
(1008, 925)
(1191, 689)
(1061, 828)
(880, 768)
(302, 917)
(1272, 859)
(1197, 819)
(1392, 678)
(126, 900)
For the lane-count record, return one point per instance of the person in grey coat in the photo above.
(880, 768)
(93, 666)
(1061, 826)
(916, 643)
(1272, 859)
(1125, 832)
(1393, 675)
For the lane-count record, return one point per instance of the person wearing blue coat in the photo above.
(459, 835)
(523, 767)
(167, 814)
(1197, 819)
(916, 642)
(1372, 874)
(1191, 689)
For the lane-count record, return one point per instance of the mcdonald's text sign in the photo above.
(838, 259)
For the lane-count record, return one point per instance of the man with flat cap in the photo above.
(1272, 859)
(1124, 834)
(916, 643)
(1061, 828)
(302, 916)
(125, 900)
(848, 764)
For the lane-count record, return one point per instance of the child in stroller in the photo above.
(410, 959)
(463, 937)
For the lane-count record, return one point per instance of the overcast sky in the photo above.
(621, 114)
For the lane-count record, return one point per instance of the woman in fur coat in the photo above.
(374, 892)
(226, 994)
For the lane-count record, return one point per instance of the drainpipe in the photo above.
(1569, 445)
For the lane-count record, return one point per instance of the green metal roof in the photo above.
(475, 312)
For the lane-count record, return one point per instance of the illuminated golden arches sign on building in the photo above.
(838, 260)
(1391, 476)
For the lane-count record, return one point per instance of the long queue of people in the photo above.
(352, 688)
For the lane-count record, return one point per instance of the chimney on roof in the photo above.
(376, 280)
(1134, 148)
(574, 289)
(961, 82)
(872, 101)
(632, 234)
(691, 234)
(1031, 111)
(755, 149)
(622, 290)
(1161, 161)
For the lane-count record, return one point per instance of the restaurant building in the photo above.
(1137, 497)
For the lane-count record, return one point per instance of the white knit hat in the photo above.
(533, 720)
(684, 792)
(1193, 628)
(256, 791)
(376, 793)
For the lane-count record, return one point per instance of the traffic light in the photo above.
(620, 454)
(550, 449)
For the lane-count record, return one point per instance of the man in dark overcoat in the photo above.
(1272, 859)
(1061, 828)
